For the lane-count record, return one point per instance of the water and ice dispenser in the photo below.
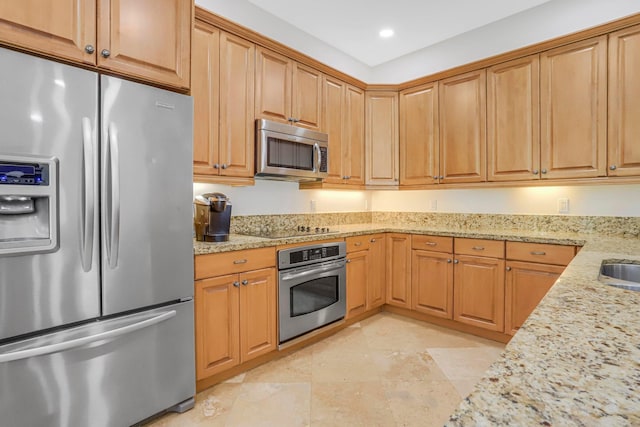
(28, 204)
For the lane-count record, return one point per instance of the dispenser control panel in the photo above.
(19, 173)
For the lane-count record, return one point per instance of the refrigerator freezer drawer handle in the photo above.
(88, 202)
(79, 342)
(113, 211)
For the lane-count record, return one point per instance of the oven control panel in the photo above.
(304, 255)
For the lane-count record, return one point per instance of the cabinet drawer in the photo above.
(540, 252)
(480, 247)
(358, 243)
(234, 262)
(432, 243)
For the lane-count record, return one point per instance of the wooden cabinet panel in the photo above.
(211, 265)
(334, 123)
(526, 285)
(150, 39)
(354, 135)
(376, 288)
(573, 117)
(273, 86)
(419, 135)
(432, 243)
(258, 322)
(624, 102)
(357, 275)
(381, 136)
(307, 97)
(432, 283)
(58, 27)
(358, 243)
(479, 292)
(237, 123)
(463, 109)
(479, 247)
(398, 269)
(540, 253)
(217, 325)
(513, 120)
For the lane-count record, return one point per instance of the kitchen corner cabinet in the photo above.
(287, 91)
(108, 33)
(432, 275)
(353, 164)
(624, 102)
(382, 138)
(573, 110)
(398, 249)
(235, 309)
(223, 92)
(463, 109)
(513, 120)
(419, 135)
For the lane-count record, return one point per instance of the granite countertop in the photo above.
(575, 361)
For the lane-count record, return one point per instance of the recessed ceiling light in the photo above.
(386, 33)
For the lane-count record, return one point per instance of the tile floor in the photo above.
(387, 370)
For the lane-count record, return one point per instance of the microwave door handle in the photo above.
(316, 148)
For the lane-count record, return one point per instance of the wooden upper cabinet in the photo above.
(61, 28)
(334, 111)
(149, 39)
(354, 170)
(286, 91)
(513, 120)
(624, 102)
(463, 128)
(382, 145)
(573, 116)
(419, 135)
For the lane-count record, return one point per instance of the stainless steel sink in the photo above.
(623, 274)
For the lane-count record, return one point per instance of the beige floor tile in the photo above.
(462, 363)
(406, 366)
(294, 368)
(421, 403)
(349, 404)
(344, 367)
(465, 387)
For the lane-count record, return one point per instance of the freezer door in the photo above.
(49, 263)
(109, 373)
(147, 244)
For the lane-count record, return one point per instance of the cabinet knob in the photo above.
(216, 166)
(372, 240)
(245, 282)
(448, 261)
(435, 177)
(105, 53)
(236, 284)
(357, 244)
(508, 268)
(348, 176)
(535, 171)
(295, 120)
(544, 171)
(441, 177)
(455, 261)
(348, 260)
(224, 166)
(89, 49)
(613, 167)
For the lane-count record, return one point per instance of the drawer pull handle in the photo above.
(240, 261)
(538, 253)
(430, 243)
(357, 244)
(478, 248)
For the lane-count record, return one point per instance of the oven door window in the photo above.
(313, 295)
(289, 154)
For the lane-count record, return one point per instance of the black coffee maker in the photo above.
(212, 217)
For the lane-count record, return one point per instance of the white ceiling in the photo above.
(352, 26)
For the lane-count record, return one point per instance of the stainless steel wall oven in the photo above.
(311, 288)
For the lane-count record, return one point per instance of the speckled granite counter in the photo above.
(575, 361)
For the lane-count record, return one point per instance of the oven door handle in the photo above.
(313, 270)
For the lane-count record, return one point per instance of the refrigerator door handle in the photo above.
(79, 342)
(113, 207)
(88, 196)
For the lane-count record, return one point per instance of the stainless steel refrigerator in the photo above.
(96, 252)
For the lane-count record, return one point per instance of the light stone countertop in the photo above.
(575, 361)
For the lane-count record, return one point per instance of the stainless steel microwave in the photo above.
(290, 153)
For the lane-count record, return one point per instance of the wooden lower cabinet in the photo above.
(376, 289)
(479, 292)
(398, 269)
(432, 283)
(366, 279)
(357, 275)
(235, 319)
(526, 284)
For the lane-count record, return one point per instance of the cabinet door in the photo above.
(376, 290)
(513, 120)
(306, 108)
(60, 28)
(479, 292)
(357, 274)
(526, 285)
(217, 325)
(432, 283)
(381, 136)
(354, 158)
(205, 78)
(334, 122)
(150, 39)
(419, 140)
(624, 102)
(258, 323)
(273, 86)
(237, 127)
(463, 111)
(399, 269)
(573, 110)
